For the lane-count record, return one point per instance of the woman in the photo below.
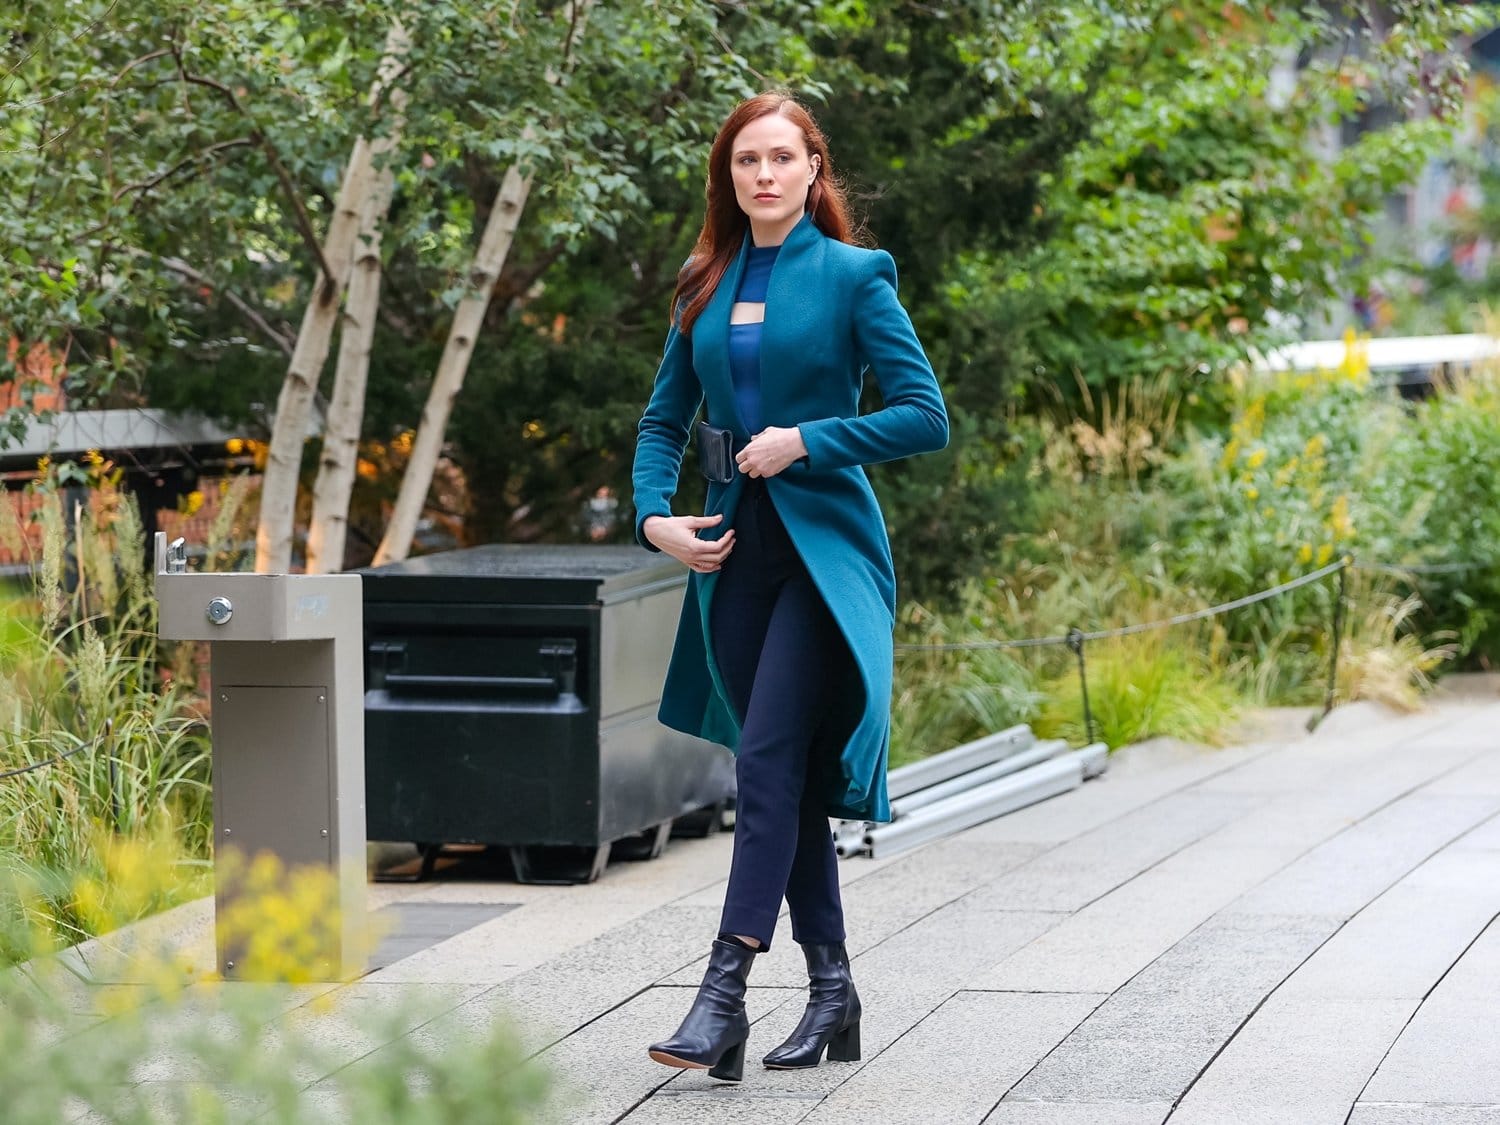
(784, 648)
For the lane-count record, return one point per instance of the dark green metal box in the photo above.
(511, 697)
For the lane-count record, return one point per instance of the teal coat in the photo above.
(831, 315)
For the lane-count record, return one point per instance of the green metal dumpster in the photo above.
(511, 696)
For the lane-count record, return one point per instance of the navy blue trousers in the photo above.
(779, 653)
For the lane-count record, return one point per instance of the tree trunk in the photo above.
(499, 233)
(278, 490)
(340, 457)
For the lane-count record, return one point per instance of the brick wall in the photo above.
(192, 527)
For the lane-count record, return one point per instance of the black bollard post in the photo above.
(1338, 634)
(114, 779)
(1075, 642)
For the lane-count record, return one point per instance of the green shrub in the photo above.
(1140, 686)
(943, 699)
(1434, 494)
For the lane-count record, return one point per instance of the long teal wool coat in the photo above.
(831, 315)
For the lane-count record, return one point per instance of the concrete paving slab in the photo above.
(1349, 870)
(578, 985)
(176, 1101)
(1331, 801)
(183, 934)
(1300, 1059)
(923, 881)
(1011, 1112)
(1149, 1040)
(1318, 761)
(1107, 798)
(887, 1017)
(1449, 1055)
(1423, 1113)
(1484, 837)
(1313, 1044)
(1403, 942)
(952, 948)
(1102, 946)
(597, 1079)
(958, 1062)
(1478, 777)
(726, 1106)
(1074, 873)
(901, 893)
(565, 918)
(344, 1026)
(901, 981)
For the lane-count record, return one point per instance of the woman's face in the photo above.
(772, 173)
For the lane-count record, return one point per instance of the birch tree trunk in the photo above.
(340, 455)
(499, 233)
(278, 491)
(278, 494)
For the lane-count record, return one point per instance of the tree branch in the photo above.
(258, 137)
(250, 313)
(144, 186)
(511, 286)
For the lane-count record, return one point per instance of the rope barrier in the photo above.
(1418, 568)
(43, 765)
(34, 766)
(1078, 636)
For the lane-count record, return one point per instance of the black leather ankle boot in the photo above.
(831, 1018)
(713, 1035)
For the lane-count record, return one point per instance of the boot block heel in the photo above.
(844, 1046)
(731, 1064)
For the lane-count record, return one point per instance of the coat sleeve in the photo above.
(662, 436)
(913, 418)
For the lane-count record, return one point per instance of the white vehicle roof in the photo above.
(1388, 353)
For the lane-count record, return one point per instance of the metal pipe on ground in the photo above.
(1005, 794)
(950, 763)
(848, 835)
(1011, 763)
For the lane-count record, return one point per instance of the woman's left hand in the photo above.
(771, 451)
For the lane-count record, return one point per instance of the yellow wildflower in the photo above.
(1339, 522)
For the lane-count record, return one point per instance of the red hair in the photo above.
(724, 223)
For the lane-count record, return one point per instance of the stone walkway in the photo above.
(1302, 931)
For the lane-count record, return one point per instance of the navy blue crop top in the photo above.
(744, 339)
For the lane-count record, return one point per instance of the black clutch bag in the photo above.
(715, 452)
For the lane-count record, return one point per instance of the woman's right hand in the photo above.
(678, 537)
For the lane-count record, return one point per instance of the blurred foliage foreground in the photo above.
(113, 825)
(1132, 519)
(126, 1031)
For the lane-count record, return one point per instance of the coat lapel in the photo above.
(790, 297)
(711, 347)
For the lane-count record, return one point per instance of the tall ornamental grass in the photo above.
(98, 739)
